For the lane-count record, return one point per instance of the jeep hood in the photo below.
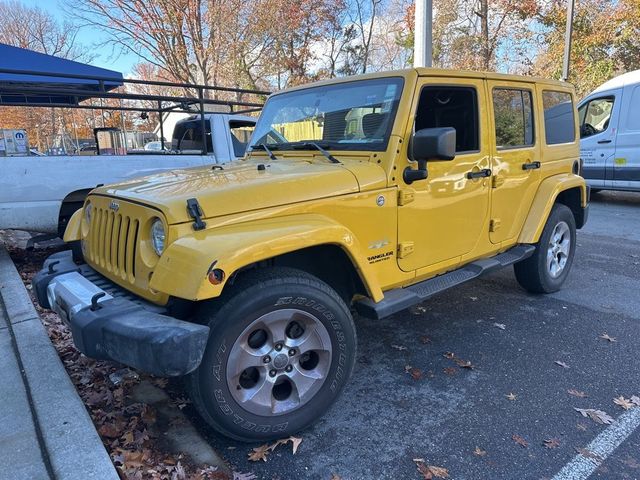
(246, 185)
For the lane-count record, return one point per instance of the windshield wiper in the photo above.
(264, 147)
(305, 145)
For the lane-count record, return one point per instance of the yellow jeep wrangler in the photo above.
(370, 193)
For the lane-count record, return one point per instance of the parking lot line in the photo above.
(581, 467)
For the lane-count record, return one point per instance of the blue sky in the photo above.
(91, 38)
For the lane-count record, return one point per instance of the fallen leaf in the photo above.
(597, 416)
(259, 453)
(512, 396)
(501, 326)
(624, 403)
(605, 336)
(418, 310)
(464, 363)
(109, 430)
(295, 443)
(577, 393)
(479, 452)
(335, 477)
(551, 443)
(581, 426)
(636, 400)
(430, 472)
(474, 298)
(520, 441)
(398, 347)
(424, 340)
(415, 373)
(244, 476)
(589, 454)
(449, 355)
(450, 371)
(562, 364)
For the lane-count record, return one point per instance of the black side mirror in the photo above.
(430, 144)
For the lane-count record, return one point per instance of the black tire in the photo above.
(254, 295)
(534, 273)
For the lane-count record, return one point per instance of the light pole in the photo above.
(566, 61)
(423, 38)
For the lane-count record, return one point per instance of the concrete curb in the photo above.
(73, 447)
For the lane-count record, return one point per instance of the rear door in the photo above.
(626, 162)
(515, 157)
(598, 119)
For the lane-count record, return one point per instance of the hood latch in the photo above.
(195, 212)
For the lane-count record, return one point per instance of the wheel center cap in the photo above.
(281, 360)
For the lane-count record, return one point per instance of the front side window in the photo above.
(559, 126)
(356, 115)
(455, 107)
(513, 118)
(595, 116)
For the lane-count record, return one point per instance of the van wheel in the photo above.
(547, 269)
(281, 347)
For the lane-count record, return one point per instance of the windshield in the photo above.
(354, 115)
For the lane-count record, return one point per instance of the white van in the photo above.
(610, 134)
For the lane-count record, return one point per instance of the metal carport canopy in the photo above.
(22, 81)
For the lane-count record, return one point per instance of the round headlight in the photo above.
(87, 213)
(158, 236)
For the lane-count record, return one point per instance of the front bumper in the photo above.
(109, 323)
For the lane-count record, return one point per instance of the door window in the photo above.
(595, 116)
(240, 135)
(559, 118)
(455, 107)
(513, 118)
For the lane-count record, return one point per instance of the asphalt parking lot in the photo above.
(386, 418)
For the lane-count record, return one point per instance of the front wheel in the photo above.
(547, 269)
(281, 347)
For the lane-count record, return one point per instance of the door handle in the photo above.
(604, 141)
(484, 173)
(531, 166)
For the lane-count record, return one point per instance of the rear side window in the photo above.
(595, 116)
(513, 117)
(559, 120)
(455, 107)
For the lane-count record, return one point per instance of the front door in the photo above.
(516, 157)
(598, 137)
(444, 215)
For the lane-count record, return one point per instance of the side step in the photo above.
(402, 298)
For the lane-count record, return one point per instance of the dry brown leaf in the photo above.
(424, 340)
(597, 416)
(464, 363)
(589, 454)
(479, 452)
(562, 364)
(449, 355)
(398, 347)
(415, 373)
(295, 443)
(430, 472)
(109, 430)
(259, 453)
(335, 477)
(450, 370)
(624, 403)
(512, 396)
(520, 441)
(577, 393)
(551, 443)
(605, 336)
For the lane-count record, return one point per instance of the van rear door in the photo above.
(626, 163)
(598, 117)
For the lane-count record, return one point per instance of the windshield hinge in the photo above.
(406, 196)
(195, 212)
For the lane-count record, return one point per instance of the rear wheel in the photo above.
(547, 269)
(281, 347)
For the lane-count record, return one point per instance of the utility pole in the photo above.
(567, 41)
(423, 37)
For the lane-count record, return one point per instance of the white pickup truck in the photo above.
(40, 193)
